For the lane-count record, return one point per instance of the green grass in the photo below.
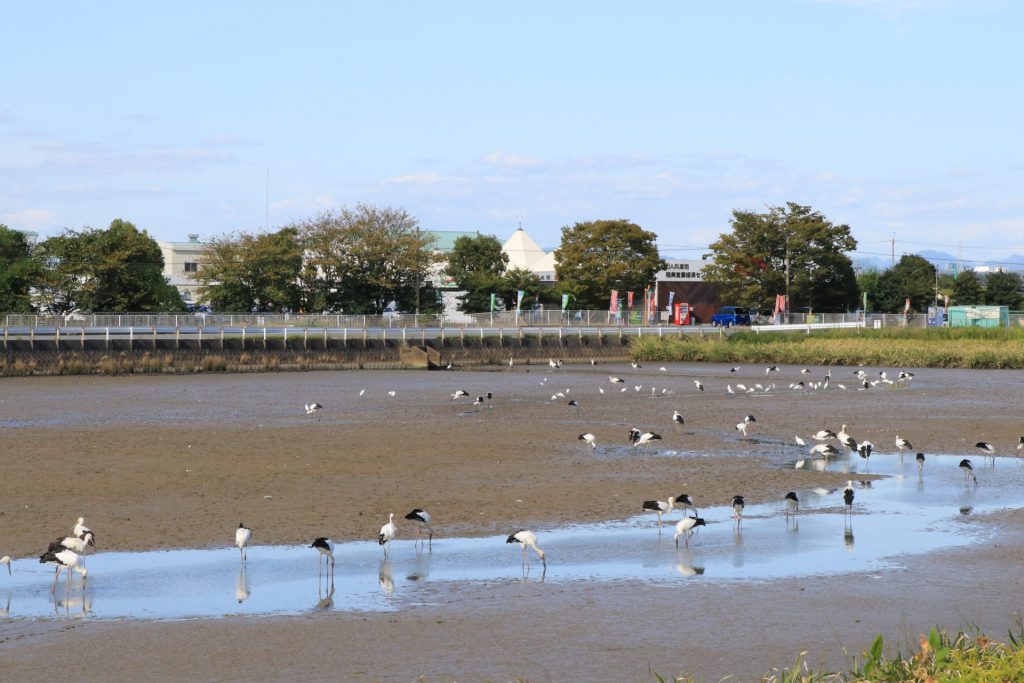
(937, 348)
(938, 657)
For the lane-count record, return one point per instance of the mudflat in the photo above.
(175, 462)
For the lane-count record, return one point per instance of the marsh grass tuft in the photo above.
(938, 348)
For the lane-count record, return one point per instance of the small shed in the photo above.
(979, 316)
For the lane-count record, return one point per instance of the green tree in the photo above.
(751, 263)
(946, 283)
(912, 277)
(118, 269)
(515, 280)
(477, 265)
(967, 290)
(241, 272)
(869, 282)
(1004, 289)
(598, 256)
(362, 259)
(18, 271)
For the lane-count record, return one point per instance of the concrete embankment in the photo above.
(167, 354)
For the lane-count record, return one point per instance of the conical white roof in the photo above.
(522, 251)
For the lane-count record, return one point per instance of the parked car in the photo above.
(728, 316)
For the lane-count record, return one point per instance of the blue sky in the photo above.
(893, 116)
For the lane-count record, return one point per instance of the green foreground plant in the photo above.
(938, 658)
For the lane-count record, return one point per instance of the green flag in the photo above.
(494, 300)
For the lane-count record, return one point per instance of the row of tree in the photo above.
(362, 259)
(915, 278)
(118, 268)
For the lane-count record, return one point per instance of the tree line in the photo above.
(365, 258)
(118, 268)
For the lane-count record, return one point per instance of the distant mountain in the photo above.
(944, 261)
(863, 263)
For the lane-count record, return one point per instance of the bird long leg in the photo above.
(430, 540)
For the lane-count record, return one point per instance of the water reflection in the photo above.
(685, 564)
(894, 517)
(325, 602)
(528, 569)
(421, 568)
(73, 607)
(242, 591)
(737, 548)
(387, 584)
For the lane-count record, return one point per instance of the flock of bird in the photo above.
(66, 552)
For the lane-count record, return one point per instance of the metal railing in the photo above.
(553, 318)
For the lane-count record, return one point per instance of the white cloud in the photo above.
(31, 219)
(417, 179)
(228, 140)
(888, 6)
(512, 160)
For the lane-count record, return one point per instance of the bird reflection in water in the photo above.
(73, 607)
(684, 564)
(6, 610)
(848, 538)
(421, 572)
(737, 550)
(242, 591)
(528, 568)
(325, 600)
(689, 570)
(384, 577)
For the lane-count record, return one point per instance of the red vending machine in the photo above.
(681, 314)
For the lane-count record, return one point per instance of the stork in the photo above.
(422, 517)
(387, 533)
(527, 539)
(688, 526)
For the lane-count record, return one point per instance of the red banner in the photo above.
(614, 307)
(629, 300)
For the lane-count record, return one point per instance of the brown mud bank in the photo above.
(177, 461)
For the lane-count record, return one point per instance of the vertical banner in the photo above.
(906, 306)
(865, 302)
(519, 301)
(629, 301)
(494, 302)
(671, 297)
(613, 307)
(565, 302)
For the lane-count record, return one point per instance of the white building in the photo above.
(181, 263)
(524, 253)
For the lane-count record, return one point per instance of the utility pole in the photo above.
(893, 251)
(418, 247)
(787, 279)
